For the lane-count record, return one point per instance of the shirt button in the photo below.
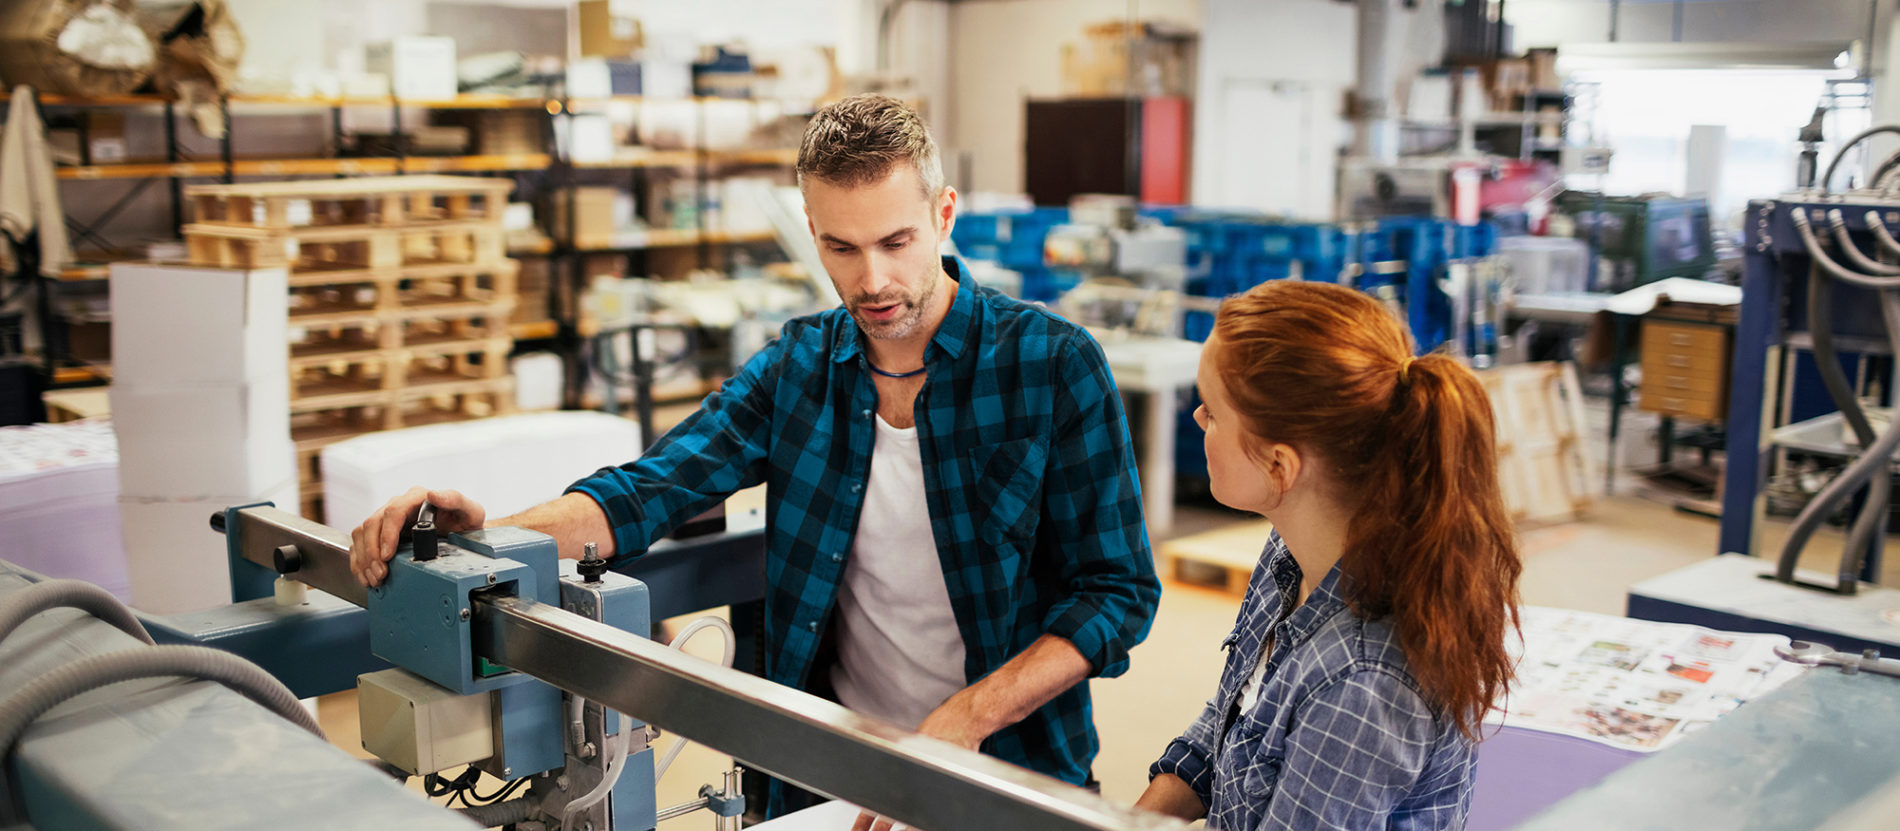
(813, 626)
(837, 558)
(865, 413)
(857, 488)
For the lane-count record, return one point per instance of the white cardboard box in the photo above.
(506, 464)
(173, 559)
(190, 441)
(420, 67)
(174, 324)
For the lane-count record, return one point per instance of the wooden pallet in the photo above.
(387, 201)
(388, 376)
(1542, 467)
(445, 400)
(348, 250)
(1223, 558)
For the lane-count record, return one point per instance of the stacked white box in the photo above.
(506, 464)
(200, 403)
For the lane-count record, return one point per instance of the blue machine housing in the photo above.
(419, 617)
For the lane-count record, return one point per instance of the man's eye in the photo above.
(837, 250)
(896, 246)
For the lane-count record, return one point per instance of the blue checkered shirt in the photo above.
(1028, 472)
(1338, 738)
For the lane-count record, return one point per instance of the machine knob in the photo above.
(217, 522)
(423, 532)
(591, 565)
(287, 559)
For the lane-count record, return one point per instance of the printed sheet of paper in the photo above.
(1633, 684)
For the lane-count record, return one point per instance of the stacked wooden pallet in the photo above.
(400, 296)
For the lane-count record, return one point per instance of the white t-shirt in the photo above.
(899, 651)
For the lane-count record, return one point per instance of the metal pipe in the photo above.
(682, 809)
(1881, 235)
(799, 737)
(733, 790)
(794, 735)
(1378, 132)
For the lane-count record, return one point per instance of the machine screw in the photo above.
(591, 565)
(507, 772)
(561, 781)
(491, 579)
(587, 826)
(464, 614)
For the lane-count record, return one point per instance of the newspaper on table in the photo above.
(32, 450)
(1633, 684)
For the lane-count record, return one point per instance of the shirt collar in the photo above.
(1319, 606)
(952, 337)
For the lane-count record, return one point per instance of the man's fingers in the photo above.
(357, 554)
(864, 822)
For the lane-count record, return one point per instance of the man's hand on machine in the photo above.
(375, 541)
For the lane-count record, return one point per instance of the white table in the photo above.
(1158, 368)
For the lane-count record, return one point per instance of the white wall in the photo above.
(1003, 52)
(1268, 125)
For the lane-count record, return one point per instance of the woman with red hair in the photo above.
(1371, 641)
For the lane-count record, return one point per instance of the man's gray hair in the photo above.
(857, 141)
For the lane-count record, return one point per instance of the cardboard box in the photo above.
(420, 67)
(608, 29)
(173, 560)
(194, 441)
(1543, 70)
(178, 324)
(594, 208)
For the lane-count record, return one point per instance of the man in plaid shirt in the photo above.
(954, 532)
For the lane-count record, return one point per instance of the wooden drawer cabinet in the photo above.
(1685, 370)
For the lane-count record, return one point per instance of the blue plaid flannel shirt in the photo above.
(1028, 471)
(1339, 737)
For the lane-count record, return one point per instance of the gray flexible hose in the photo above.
(1827, 263)
(1881, 235)
(76, 594)
(200, 662)
(1855, 257)
(502, 813)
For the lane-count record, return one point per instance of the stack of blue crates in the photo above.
(1014, 240)
(1229, 252)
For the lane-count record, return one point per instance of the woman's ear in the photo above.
(1284, 467)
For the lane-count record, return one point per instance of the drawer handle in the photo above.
(1681, 339)
(1678, 361)
(1678, 382)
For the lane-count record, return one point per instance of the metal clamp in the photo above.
(1808, 653)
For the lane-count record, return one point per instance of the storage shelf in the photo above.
(367, 166)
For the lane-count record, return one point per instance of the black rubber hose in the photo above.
(1866, 469)
(88, 674)
(1875, 455)
(502, 813)
(1880, 173)
(76, 594)
(1828, 177)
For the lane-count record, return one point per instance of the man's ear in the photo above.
(947, 211)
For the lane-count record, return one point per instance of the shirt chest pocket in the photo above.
(1006, 483)
(1259, 761)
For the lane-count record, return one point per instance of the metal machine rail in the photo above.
(913, 779)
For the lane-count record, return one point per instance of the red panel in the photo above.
(1164, 151)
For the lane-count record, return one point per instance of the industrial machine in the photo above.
(479, 649)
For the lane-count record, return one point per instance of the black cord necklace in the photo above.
(912, 373)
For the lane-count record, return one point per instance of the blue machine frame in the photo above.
(1774, 307)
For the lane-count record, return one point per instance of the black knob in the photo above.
(423, 532)
(591, 566)
(217, 522)
(287, 559)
